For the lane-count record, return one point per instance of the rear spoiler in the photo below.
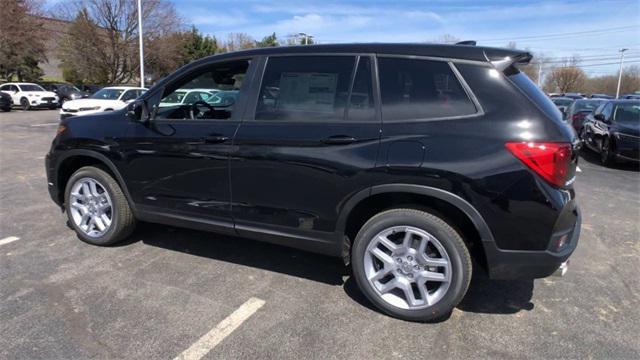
(501, 63)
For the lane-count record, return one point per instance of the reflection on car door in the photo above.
(179, 165)
(309, 142)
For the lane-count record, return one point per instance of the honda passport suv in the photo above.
(417, 164)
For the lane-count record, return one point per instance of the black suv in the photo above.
(417, 164)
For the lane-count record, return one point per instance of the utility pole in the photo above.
(620, 72)
(141, 45)
(540, 75)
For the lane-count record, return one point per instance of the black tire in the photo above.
(461, 267)
(25, 104)
(123, 222)
(53, 107)
(6, 109)
(607, 154)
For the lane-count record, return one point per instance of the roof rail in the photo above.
(467, 42)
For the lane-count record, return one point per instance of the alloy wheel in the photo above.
(91, 207)
(407, 267)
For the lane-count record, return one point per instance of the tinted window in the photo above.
(31, 87)
(361, 106)
(198, 87)
(305, 88)
(607, 110)
(418, 89)
(532, 91)
(130, 95)
(5, 87)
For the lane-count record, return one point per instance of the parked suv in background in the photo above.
(613, 131)
(417, 164)
(65, 92)
(105, 99)
(29, 95)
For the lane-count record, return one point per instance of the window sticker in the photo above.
(309, 92)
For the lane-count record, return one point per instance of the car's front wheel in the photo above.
(411, 264)
(96, 207)
(607, 156)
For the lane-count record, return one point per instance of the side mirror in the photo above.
(137, 111)
(599, 117)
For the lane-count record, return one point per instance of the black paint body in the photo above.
(298, 183)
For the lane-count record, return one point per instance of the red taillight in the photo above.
(549, 160)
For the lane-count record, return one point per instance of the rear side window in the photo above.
(421, 89)
(532, 91)
(305, 88)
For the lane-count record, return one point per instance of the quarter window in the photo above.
(305, 88)
(420, 89)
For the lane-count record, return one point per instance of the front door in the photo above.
(178, 163)
(308, 142)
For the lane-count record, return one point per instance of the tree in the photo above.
(197, 46)
(268, 41)
(101, 45)
(566, 78)
(239, 41)
(22, 40)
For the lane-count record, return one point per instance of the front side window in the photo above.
(420, 89)
(194, 96)
(305, 88)
(129, 95)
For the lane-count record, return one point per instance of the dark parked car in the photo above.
(408, 161)
(89, 89)
(65, 92)
(5, 101)
(578, 110)
(562, 103)
(574, 96)
(630, 96)
(601, 96)
(613, 130)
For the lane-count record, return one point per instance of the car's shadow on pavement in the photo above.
(594, 159)
(484, 295)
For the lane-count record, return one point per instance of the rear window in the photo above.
(421, 89)
(532, 91)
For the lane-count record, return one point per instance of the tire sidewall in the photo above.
(24, 103)
(105, 180)
(460, 276)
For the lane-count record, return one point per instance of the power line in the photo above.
(614, 29)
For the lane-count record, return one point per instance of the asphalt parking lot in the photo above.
(167, 289)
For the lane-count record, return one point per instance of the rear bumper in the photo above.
(529, 264)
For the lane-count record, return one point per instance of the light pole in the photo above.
(620, 72)
(141, 45)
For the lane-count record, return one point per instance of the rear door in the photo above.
(307, 143)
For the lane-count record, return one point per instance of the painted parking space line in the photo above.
(578, 169)
(8, 240)
(45, 124)
(211, 339)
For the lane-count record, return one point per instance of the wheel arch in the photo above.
(72, 160)
(459, 213)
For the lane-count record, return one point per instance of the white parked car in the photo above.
(29, 95)
(187, 97)
(106, 99)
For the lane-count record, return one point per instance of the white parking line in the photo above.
(578, 169)
(9, 239)
(209, 340)
(45, 124)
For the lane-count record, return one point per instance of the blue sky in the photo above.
(490, 22)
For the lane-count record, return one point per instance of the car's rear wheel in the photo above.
(25, 104)
(411, 264)
(96, 207)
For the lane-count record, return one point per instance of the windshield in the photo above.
(223, 98)
(108, 94)
(587, 105)
(30, 87)
(562, 102)
(628, 114)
